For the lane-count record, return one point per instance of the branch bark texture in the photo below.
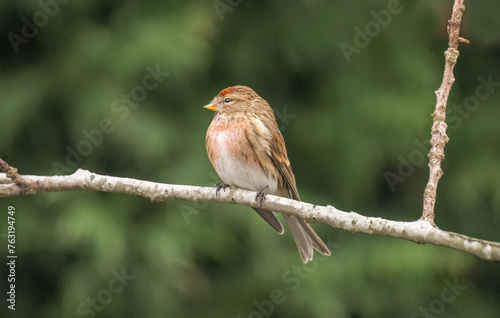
(438, 133)
(418, 231)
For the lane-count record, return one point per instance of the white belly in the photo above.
(235, 172)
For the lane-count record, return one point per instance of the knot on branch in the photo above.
(451, 55)
(439, 114)
(11, 173)
(439, 137)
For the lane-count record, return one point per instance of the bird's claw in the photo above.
(218, 186)
(261, 195)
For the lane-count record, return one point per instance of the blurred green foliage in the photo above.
(349, 126)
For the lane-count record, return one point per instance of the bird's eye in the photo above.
(227, 100)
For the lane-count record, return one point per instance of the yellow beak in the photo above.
(211, 107)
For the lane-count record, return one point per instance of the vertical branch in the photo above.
(438, 132)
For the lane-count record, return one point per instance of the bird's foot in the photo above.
(218, 186)
(261, 195)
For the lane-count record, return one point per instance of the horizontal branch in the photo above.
(417, 231)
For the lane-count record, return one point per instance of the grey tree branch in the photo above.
(438, 132)
(418, 231)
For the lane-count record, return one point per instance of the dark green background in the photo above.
(348, 126)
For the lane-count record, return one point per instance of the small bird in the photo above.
(248, 151)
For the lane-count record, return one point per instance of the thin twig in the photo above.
(438, 132)
(418, 231)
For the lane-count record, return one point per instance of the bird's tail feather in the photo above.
(271, 219)
(305, 238)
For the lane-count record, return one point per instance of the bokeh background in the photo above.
(355, 114)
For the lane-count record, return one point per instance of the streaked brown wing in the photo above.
(280, 159)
